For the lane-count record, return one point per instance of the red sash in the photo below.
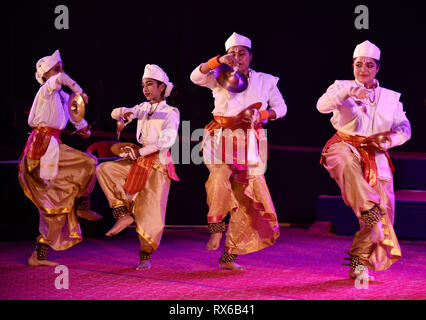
(38, 142)
(141, 169)
(368, 155)
(232, 123)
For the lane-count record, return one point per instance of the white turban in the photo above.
(153, 71)
(45, 64)
(367, 49)
(237, 40)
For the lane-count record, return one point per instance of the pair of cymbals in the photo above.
(231, 80)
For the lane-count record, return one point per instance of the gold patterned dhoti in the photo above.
(59, 227)
(150, 204)
(253, 223)
(232, 187)
(346, 169)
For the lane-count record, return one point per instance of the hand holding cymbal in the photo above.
(250, 115)
(381, 141)
(126, 150)
(228, 59)
(358, 92)
(131, 153)
(85, 98)
(84, 132)
(232, 80)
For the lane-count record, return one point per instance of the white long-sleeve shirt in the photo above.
(50, 109)
(50, 106)
(156, 132)
(262, 87)
(365, 118)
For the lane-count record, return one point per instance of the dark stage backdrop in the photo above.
(307, 45)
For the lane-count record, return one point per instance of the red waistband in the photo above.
(39, 140)
(368, 155)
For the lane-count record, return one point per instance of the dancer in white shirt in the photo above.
(236, 183)
(57, 178)
(137, 187)
(369, 120)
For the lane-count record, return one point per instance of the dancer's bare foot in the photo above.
(120, 225)
(144, 265)
(361, 274)
(34, 262)
(377, 234)
(89, 215)
(214, 241)
(353, 274)
(231, 266)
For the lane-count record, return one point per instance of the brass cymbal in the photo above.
(119, 148)
(380, 137)
(76, 107)
(250, 108)
(231, 80)
(249, 111)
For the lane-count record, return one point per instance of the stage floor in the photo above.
(299, 266)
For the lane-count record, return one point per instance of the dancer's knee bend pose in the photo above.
(137, 186)
(369, 120)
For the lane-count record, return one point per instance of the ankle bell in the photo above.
(41, 249)
(144, 256)
(227, 257)
(218, 227)
(372, 216)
